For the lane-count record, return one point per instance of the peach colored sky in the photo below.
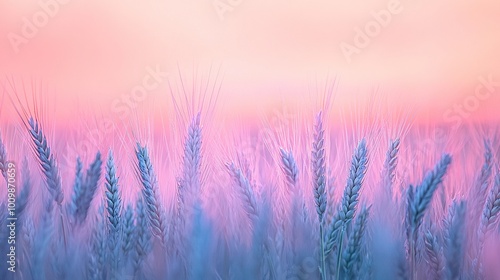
(428, 57)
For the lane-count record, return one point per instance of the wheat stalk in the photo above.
(455, 241)
(319, 184)
(349, 200)
(84, 189)
(352, 255)
(113, 197)
(150, 193)
(47, 161)
(418, 201)
(433, 253)
(113, 207)
(96, 268)
(192, 156)
(390, 163)
(245, 191)
(143, 238)
(491, 208)
(289, 167)
(489, 218)
(129, 230)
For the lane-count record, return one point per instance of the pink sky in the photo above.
(428, 56)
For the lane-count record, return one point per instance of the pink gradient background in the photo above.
(275, 62)
(91, 52)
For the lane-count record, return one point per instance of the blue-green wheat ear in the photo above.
(478, 193)
(113, 198)
(433, 254)
(77, 187)
(423, 194)
(245, 191)
(289, 167)
(143, 242)
(390, 163)
(455, 248)
(84, 194)
(352, 254)
(150, 193)
(491, 209)
(318, 167)
(46, 160)
(128, 229)
(96, 268)
(192, 155)
(355, 180)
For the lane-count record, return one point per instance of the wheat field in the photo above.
(300, 198)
